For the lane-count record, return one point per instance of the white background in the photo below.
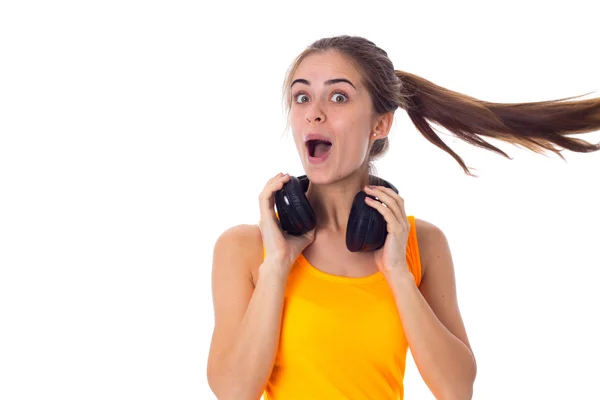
(132, 134)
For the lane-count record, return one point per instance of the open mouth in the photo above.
(318, 148)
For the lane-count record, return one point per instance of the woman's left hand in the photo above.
(391, 258)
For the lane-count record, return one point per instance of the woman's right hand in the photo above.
(282, 249)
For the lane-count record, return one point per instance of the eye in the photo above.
(338, 95)
(298, 96)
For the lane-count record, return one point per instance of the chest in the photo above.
(346, 325)
(335, 259)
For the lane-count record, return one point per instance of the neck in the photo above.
(332, 202)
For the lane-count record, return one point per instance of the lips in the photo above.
(316, 136)
(312, 140)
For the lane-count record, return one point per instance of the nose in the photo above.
(316, 119)
(315, 114)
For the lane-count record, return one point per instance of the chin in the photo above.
(318, 177)
(322, 177)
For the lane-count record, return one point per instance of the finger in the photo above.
(266, 201)
(399, 201)
(392, 222)
(273, 185)
(273, 178)
(390, 198)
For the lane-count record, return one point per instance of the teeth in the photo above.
(315, 142)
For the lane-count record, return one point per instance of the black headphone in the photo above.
(366, 230)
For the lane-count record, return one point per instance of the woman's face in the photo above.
(328, 99)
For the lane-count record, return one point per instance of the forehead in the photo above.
(321, 66)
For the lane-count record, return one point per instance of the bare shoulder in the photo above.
(433, 243)
(439, 284)
(237, 251)
(245, 241)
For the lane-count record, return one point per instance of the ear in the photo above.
(382, 125)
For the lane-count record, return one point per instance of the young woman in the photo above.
(302, 316)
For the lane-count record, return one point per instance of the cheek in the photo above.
(353, 126)
(354, 134)
(293, 122)
(295, 126)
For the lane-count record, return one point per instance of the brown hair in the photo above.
(537, 126)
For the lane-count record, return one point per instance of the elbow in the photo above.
(464, 389)
(459, 388)
(456, 393)
(219, 386)
(233, 394)
(465, 394)
(212, 380)
(230, 389)
(459, 391)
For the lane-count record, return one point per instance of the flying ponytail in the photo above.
(537, 126)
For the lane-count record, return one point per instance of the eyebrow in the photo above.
(329, 82)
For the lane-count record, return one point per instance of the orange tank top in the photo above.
(341, 337)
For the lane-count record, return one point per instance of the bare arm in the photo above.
(247, 318)
(432, 321)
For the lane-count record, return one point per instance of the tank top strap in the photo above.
(413, 257)
(412, 251)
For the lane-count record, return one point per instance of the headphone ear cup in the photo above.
(296, 216)
(367, 228)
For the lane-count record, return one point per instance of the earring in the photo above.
(374, 134)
